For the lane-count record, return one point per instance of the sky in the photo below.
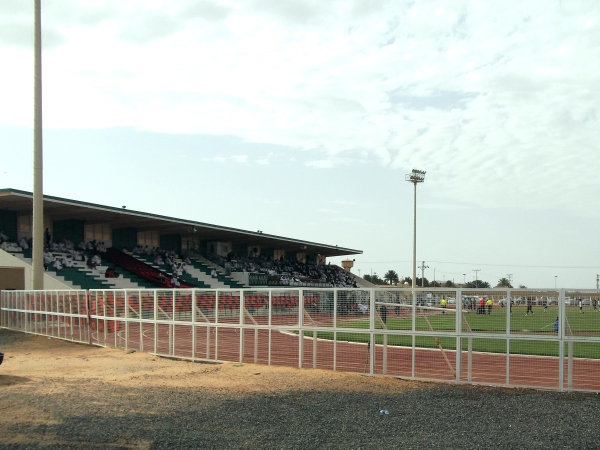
(302, 118)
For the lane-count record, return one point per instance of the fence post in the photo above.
(193, 312)
(216, 324)
(270, 322)
(414, 328)
(561, 342)
(155, 321)
(508, 334)
(241, 322)
(458, 329)
(335, 302)
(301, 327)
(126, 303)
(371, 332)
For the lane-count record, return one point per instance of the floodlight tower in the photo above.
(415, 177)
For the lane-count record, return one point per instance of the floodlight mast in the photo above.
(415, 177)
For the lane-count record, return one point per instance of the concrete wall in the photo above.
(10, 261)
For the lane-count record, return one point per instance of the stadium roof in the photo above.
(62, 209)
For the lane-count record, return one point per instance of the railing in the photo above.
(547, 339)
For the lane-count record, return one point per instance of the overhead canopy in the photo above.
(58, 208)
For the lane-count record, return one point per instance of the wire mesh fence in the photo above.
(527, 338)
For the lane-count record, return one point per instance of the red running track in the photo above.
(223, 344)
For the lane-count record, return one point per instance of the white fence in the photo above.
(526, 338)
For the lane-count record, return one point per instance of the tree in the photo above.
(449, 284)
(504, 282)
(391, 277)
(421, 283)
(373, 279)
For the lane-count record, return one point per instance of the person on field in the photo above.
(580, 306)
(529, 306)
(489, 305)
(481, 308)
(556, 325)
(383, 314)
(443, 304)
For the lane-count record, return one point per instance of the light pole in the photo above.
(37, 266)
(476, 277)
(423, 267)
(555, 276)
(464, 279)
(415, 177)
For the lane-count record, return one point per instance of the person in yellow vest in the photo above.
(443, 303)
(489, 305)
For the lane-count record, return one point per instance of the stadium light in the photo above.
(415, 177)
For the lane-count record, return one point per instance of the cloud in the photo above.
(495, 100)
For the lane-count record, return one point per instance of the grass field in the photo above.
(540, 322)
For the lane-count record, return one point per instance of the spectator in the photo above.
(67, 261)
(111, 272)
(91, 263)
(97, 260)
(57, 265)
(23, 244)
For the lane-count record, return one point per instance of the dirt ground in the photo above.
(53, 367)
(56, 394)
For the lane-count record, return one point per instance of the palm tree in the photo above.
(391, 277)
(504, 282)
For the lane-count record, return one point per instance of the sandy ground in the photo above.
(52, 368)
(55, 394)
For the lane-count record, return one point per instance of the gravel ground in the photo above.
(55, 394)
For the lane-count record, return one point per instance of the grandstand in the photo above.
(214, 257)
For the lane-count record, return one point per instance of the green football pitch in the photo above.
(541, 323)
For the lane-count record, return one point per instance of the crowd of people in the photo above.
(286, 271)
(166, 260)
(279, 271)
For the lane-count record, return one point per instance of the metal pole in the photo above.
(414, 279)
(37, 266)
